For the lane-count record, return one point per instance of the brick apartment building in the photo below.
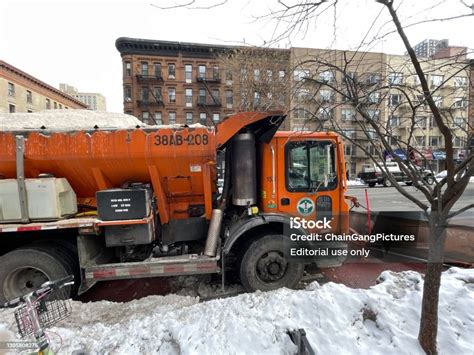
(173, 82)
(22, 92)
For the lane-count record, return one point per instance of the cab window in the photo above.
(310, 166)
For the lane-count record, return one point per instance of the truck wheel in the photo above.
(371, 184)
(265, 266)
(25, 269)
(430, 180)
(387, 183)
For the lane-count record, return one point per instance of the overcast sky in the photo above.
(74, 42)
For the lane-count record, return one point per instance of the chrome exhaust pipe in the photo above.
(214, 232)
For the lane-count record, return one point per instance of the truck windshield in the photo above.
(310, 166)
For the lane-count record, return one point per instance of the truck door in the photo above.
(307, 178)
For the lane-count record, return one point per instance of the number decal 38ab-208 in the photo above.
(191, 139)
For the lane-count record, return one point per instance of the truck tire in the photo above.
(265, 267)
(24, 269)
(372, 184)
(430, 180)
(66, 253)
(387, 183)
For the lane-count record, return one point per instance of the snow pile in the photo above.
(337, 319)
(67, 120)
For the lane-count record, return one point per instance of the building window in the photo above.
(172, 95)
(128, 68)
(348, 150)
(202, 72)
(215, 73)
(157, 70)
(189, 118)
(29, 111)
(436, 80)
(229, 99)
(188, 73)
(394, 100)
(144, 68)
(11, 108)
(172, 117)
(189, 97)
(256, 74)
(215, 95)
(48, 104)
(171, 71)
(145, 94)
(203, 118)
(435, 141)
(460, 81)
(157, 94)
(228, 74)
(300, 74)
(202, 96)
(301, 113)
(325, 95)
(458, 142)
(215, 117)
(374, 97)
(29, 97)
(373, 78)
(325, 113)
(420, 121)
(460, 102)
(127, 94)
(395, 78)
(11, 89)
(146, 117)
(55, 105)
(256, 98)
(438, 101)
(348, 114)
(60, 106)
(458, 122)
(349, 133)
(394, 121)
(128, 112)
(269, 75)
(326, 77)
(158, 118)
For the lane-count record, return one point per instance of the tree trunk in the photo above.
(429, 308)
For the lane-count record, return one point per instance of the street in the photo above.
(389, 199)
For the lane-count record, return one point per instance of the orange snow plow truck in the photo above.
(108, 204)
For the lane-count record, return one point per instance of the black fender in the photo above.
(243, 226)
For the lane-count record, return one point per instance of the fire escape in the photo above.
(148, 87)
(209, 82)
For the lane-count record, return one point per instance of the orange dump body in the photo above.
(179, 162)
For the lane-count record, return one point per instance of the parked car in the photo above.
(372, 175)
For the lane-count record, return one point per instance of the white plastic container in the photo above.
(48, 199)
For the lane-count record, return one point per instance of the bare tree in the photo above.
(261, 75)
(385, 93)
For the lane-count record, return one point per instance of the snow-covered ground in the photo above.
(357, 182)
(338, 320)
